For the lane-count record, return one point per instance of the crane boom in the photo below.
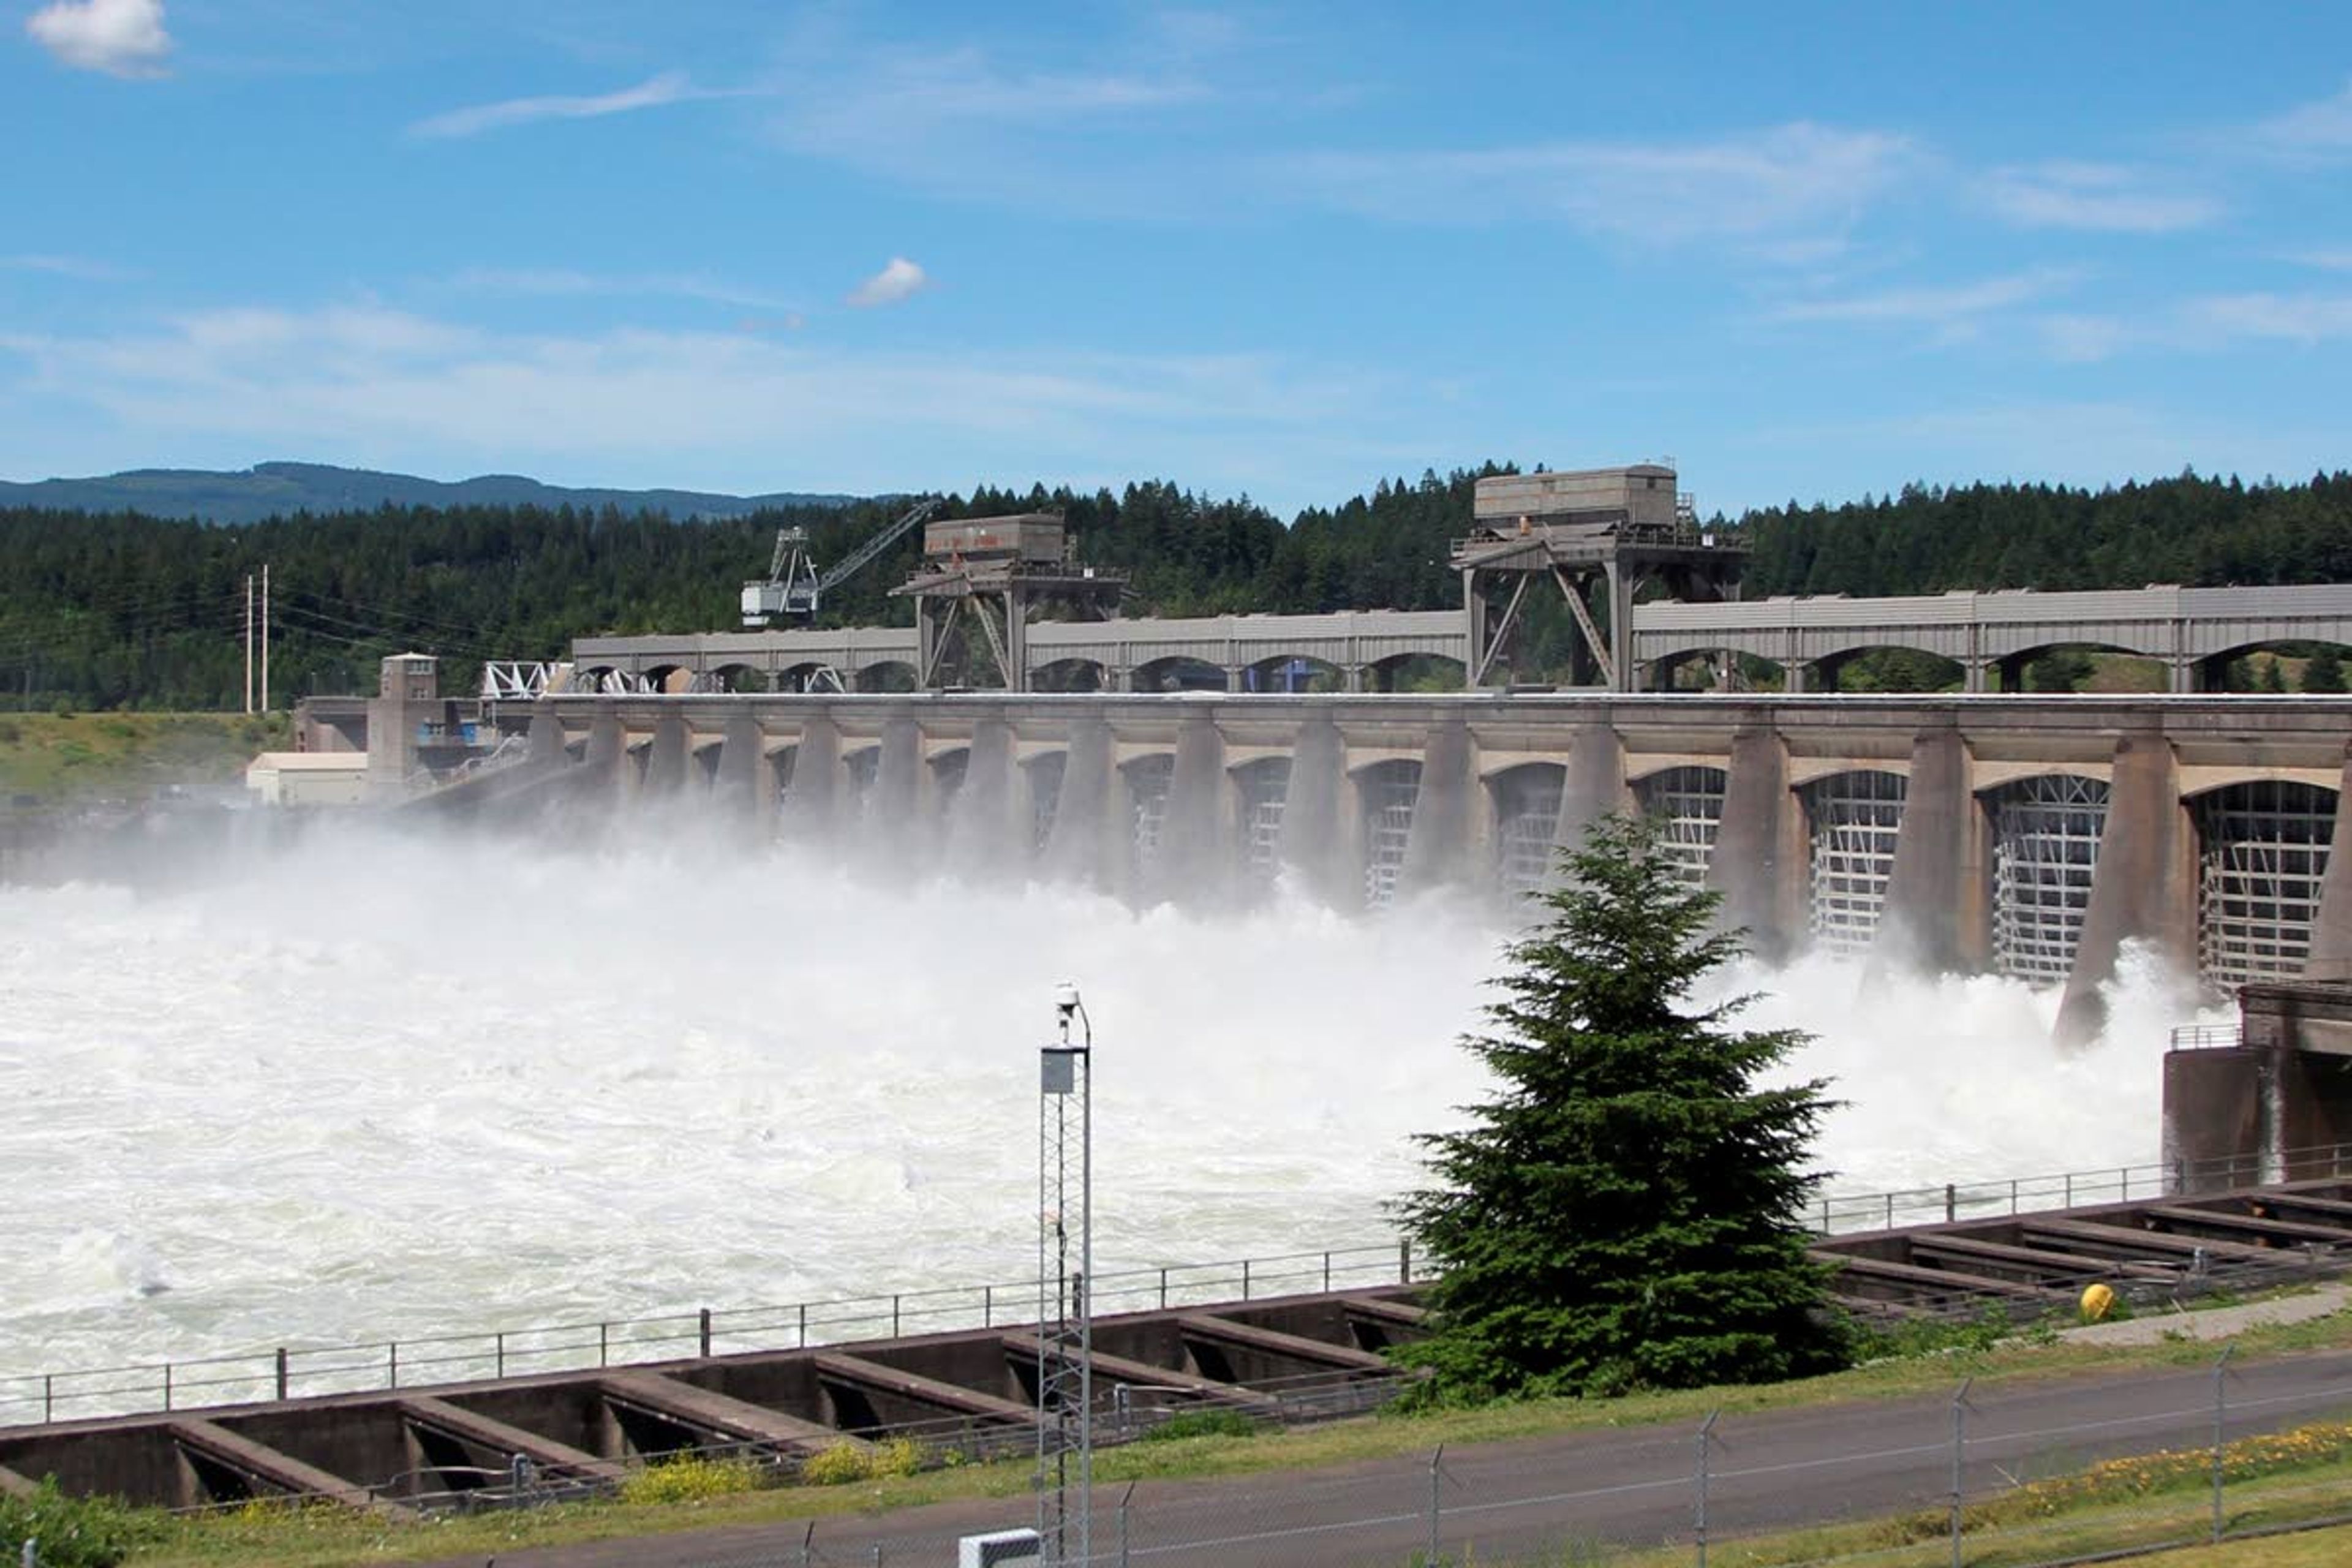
(792, 587)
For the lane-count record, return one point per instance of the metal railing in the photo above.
(2207, 1038)
(297, 1371)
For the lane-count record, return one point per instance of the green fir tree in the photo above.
(2324, 672)
(1624, 1212)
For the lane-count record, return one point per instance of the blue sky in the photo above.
(1806, 250)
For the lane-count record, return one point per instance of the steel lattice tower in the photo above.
(1065, 1316)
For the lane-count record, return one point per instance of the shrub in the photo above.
(72, 1533)
(690, 1479)
(838, 1465)
(895, 1456)
(1201, 1424)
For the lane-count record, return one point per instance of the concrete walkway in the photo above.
(2155, 1324)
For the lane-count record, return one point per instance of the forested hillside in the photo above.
(121, 610)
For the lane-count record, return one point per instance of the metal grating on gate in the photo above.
(1687, 805)
(1148, 779)
(1045, 795)
(1264, 787)
(1388, 790)
(2046, 848)
(2262, 854)
(1855, 818)
(1526, 815)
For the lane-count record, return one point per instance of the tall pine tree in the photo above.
(1625, 1210)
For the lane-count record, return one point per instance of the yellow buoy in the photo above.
(2096, 1302)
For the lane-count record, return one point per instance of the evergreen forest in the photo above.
(121, 610)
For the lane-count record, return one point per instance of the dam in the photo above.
(2032, 837)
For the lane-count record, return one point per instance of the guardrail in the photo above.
(296, 1370)
(2207, 1037)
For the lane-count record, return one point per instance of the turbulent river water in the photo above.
(380, 1086)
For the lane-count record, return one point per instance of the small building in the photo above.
(308, 778)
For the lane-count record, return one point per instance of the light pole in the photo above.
(1064, 1307)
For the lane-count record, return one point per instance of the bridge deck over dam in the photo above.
(2030, 835)
(2192, 632)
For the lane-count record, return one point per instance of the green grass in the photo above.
(59, 759)
(315, 1538)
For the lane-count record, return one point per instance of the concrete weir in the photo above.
(2030, 836)
(972, 1391)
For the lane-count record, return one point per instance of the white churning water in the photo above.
(381, 1087)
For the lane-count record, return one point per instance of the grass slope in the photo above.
(64, 759)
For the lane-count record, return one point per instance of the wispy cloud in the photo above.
(2205, 323)
(899, 279)
(2312, 131)
(121, 38)
(2094, 196)
(670, 87)
(564, 283)
(1933, 306)
(369, 382)
(1768, 185)
(79, 268)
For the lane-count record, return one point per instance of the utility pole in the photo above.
(1065, 1303)
(265, 637)
(248, 642)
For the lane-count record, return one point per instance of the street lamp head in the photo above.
(1066, 999)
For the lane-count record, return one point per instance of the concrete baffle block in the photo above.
(1078, 847)
(2140, 891)
(665, 768)
(812, 804)
(982, 832)
(546, 753)
(1593, 785)
(2331, 932)
(1437, 853)
(1192, 857)
(891, 823)
(1931, 899)
(1758, 864)
(1315, 842)
(736, 789)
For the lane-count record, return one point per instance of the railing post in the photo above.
(1327, 1273)
(1436, 1460)
(1405, 1261)
(988, 1306)
(705, 1326)
(2070, 1189)
(2220, 1409)
(281, 1371)
(604, 1344)
(2012, 1196)
(894, 1323)
(2126, 1174)
(1959, 1446)
(1706, 1440)
(1890, 1212)
(167, 1387)
(803, 1325)
(48, 1397)
(392, 1364)
(1244, 1278)
(1951, 1202)
(499, 1352)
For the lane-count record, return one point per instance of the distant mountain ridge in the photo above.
(276, 489)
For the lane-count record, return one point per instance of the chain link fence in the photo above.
(1991, 1479)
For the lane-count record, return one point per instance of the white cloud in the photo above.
(121, 38)
(1761, 186)
(2099, 196)
(2309, 131)
(902, 279)
(670, 87)
(1935, 307)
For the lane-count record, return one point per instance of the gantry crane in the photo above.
(793, 586)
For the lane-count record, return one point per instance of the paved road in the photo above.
(1637, 1485)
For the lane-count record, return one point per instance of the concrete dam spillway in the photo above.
(2030, 837)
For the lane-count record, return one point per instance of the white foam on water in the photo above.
(384, 1086)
